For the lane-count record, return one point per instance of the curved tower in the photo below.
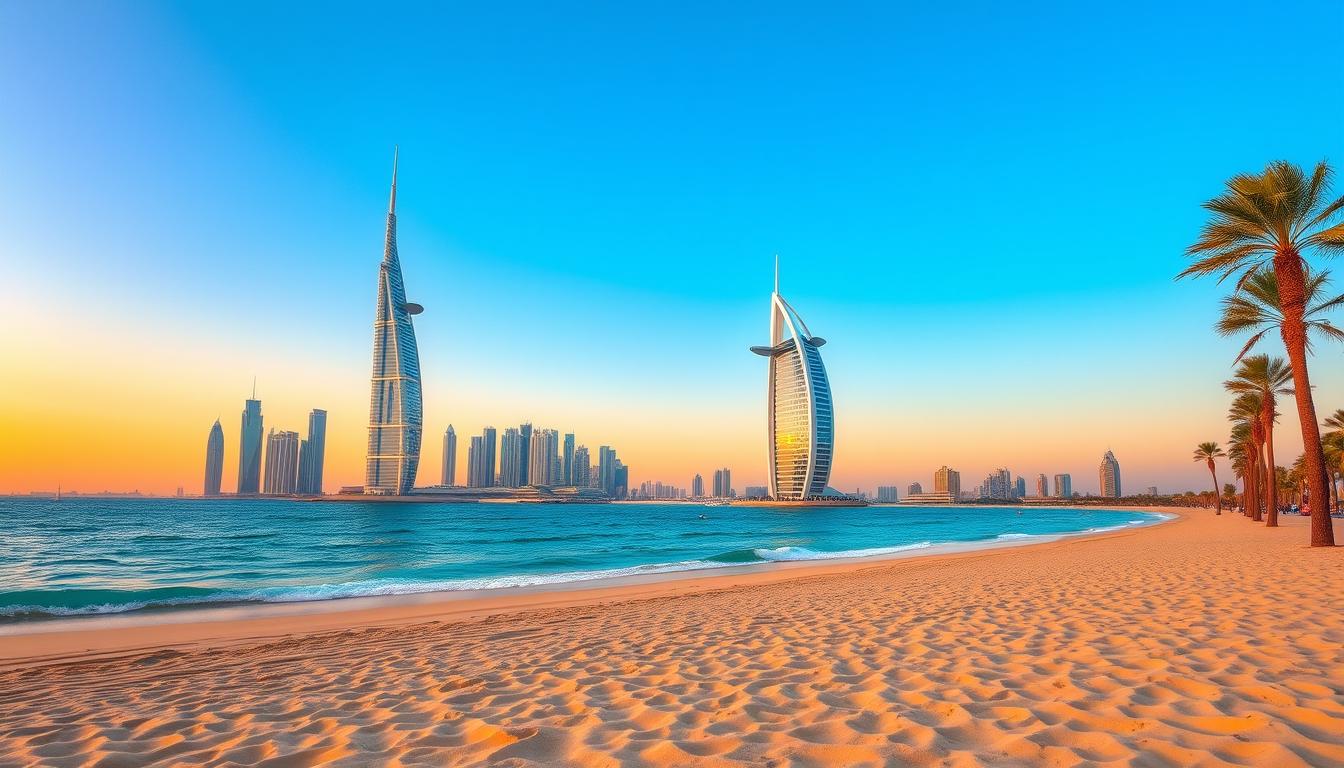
(214, 460)
(800, 425)
(395, 408)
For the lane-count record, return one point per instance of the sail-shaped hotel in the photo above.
(395, 408)
(800, 428)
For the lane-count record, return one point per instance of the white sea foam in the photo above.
(793, 554)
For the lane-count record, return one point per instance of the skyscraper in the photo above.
(249, 447)
(947, 481)
(312, 453)
(488, 444)
(282, 462)
(543, 458)
(606, 470)
(800, 431)
(568, 458)
(1020, 487)
(697, 487)
(887, 494)
(475, 462)
(449, 475)
(582, 468)
(1063, 487)
(998, 485)
(1110, 476)
(621, 474)
(511, 458)
(214, 460)
(913, 488)
(525, 450)
(723, 483)
(1042, 487)
(395, 407)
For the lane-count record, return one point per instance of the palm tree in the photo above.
(1335, 421)
(1332, 444)
(1256, 307)
(1250, 431)
(1276, 218)
(1236, 457)
(1208, 452)
(1267, 377)
(1243, 455)
(1334, 439)
(1298, 473)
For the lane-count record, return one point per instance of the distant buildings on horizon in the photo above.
(292, 466)
(214, 460)
(1109, 477)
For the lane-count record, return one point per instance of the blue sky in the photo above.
(981, 206)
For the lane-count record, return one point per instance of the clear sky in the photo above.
(980, 205)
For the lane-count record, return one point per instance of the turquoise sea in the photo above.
(95, 556)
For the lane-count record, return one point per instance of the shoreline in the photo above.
(1153, 645)
(54, 640)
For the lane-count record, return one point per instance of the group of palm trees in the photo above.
(1263, 231)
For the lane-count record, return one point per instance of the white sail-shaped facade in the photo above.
(800, 423)
(396, 412)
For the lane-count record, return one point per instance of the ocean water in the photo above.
(95, 556)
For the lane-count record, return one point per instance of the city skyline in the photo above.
(646, 227)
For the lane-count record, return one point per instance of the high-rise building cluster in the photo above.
(887, 494)
(723, 484)
(293, 466)
(999, 485)
(535, 456)
(657, 490)
(947, 481)
(913, 489)
(1063, 486)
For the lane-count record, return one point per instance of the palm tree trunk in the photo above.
(1271, 472)
(1252, 486)
(1217, 496)
(1292, 299)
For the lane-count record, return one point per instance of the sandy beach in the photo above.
(1203, 641)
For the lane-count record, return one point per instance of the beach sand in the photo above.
(1204, 641)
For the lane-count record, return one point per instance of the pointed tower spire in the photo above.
(254, 387)
(392, 203)
(776, 273)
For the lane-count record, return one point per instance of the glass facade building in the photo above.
(1109, 475)
(395, 408)
(214, 460)
(800, 424)
(249, 447)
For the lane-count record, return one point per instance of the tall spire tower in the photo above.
(800, 424)
(396, 411)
